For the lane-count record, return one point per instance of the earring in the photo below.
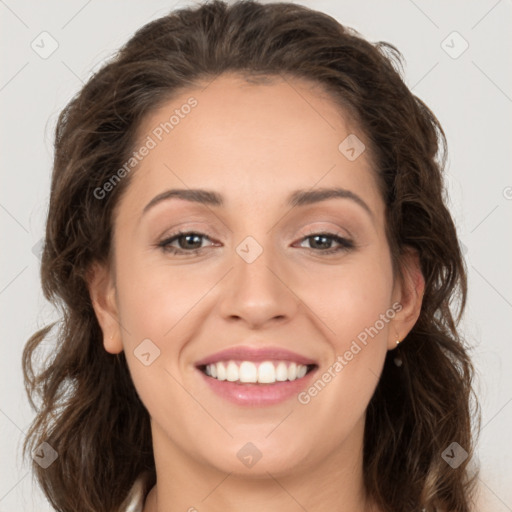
(398, 360)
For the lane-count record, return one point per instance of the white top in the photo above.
(134, 501)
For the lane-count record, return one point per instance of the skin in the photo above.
(254, 144)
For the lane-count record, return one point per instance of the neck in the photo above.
(185, 484)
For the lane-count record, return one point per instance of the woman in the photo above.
(248, 238)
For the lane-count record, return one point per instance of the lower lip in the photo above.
(258, 394)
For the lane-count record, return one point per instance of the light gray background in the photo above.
(470, 94)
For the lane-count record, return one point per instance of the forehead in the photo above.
(250, 141)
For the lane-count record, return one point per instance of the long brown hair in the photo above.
(87, 408)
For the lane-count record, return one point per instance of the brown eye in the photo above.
(188, 242)
(322, 242)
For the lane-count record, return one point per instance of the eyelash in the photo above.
(345, 243)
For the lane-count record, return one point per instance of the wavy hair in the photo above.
(87, 407)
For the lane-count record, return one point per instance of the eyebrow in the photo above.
(296, 198)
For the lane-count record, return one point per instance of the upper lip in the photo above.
(256, 354)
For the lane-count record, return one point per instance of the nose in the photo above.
(257, 292)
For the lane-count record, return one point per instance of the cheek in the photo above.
(156, 310)
(353, 302)
(160, 307)
(347, 298)
(154, 298)
(351, 297)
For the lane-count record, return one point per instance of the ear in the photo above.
(408, 292)
(102, 291)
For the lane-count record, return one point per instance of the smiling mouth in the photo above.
(249, 372)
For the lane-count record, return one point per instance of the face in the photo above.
(265, 265)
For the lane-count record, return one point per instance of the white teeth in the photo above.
(221, 371)
(266, 372)
(281, 372)
(301, 371)
(248, 372)
(232, 371)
